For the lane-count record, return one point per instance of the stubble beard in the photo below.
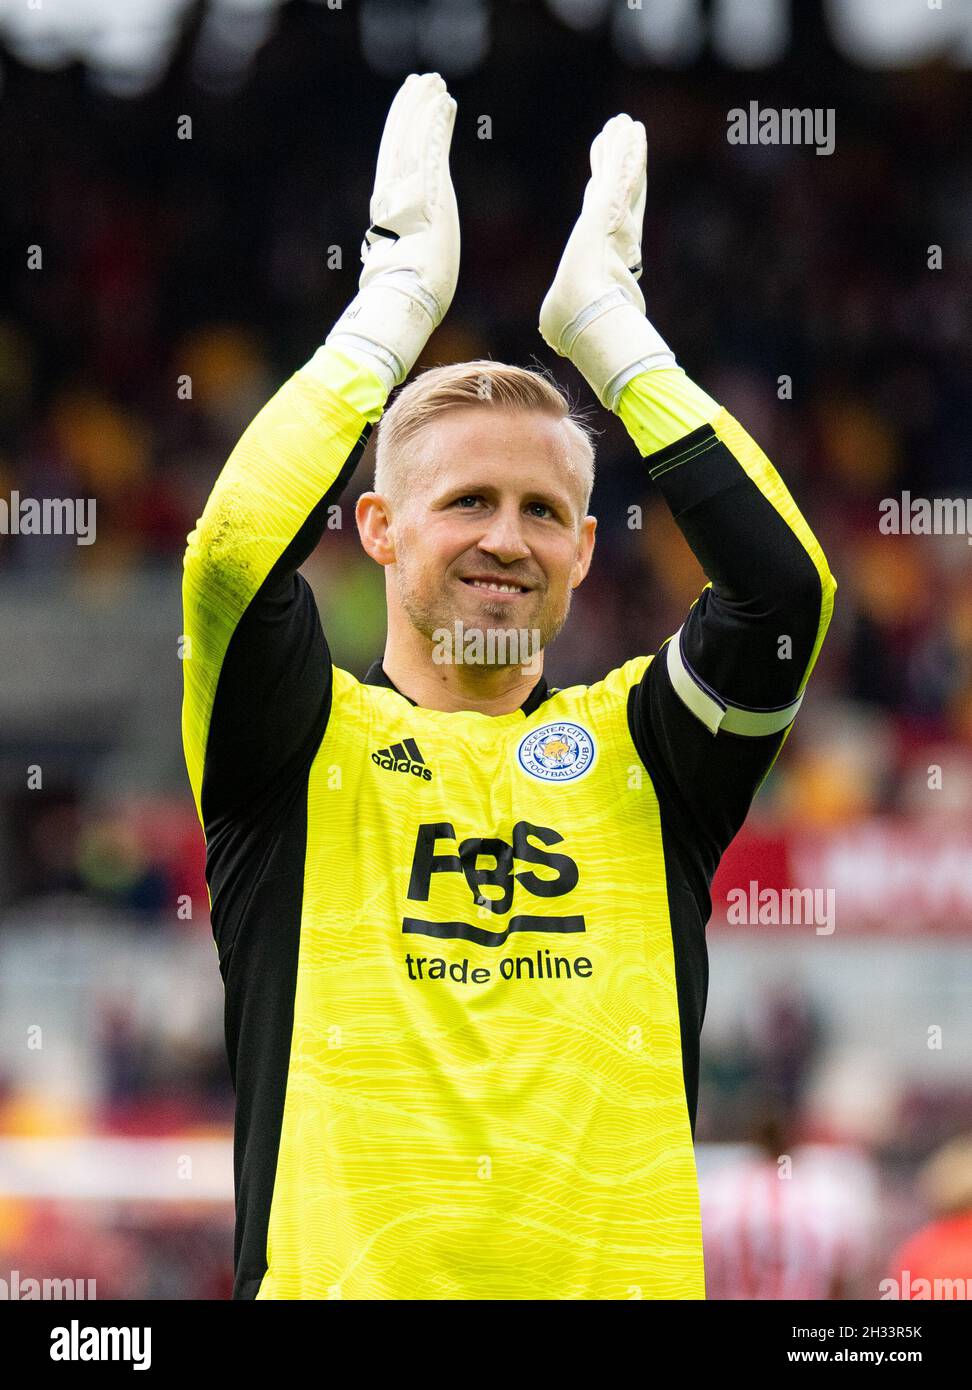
(431, 614)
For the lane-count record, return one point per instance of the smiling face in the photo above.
(490, 531)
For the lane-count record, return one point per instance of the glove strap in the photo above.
(587, 315)
(391, 320)
(611, 342)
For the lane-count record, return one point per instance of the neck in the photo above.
(487, 689)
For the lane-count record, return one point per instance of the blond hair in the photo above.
(480, 384)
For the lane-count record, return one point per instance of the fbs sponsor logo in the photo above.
(403, 757)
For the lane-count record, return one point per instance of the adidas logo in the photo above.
(403, 757)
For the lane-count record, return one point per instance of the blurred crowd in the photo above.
(181, 280)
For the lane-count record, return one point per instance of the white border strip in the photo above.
(183, 1169)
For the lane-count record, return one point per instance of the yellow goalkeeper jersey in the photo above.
(464, 955)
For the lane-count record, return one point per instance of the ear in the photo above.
(585, 551)
(373, 515)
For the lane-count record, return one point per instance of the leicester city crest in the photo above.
(557, 752)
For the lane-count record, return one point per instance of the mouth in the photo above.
(501, 588)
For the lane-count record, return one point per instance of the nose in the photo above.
(503, 537)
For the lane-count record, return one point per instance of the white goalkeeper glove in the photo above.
(411, 250)
(594, 312)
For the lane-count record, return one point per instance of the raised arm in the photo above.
(713, 709)
(256, 666)
(257, 671)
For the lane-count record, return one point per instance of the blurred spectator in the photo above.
(936, 1261)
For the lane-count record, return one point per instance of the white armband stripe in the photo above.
(715, 713)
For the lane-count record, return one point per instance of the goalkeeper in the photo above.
(459, 914)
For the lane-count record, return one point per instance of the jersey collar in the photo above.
(377, 676)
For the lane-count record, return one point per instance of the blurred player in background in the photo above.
(460, 915)
(787, 1222)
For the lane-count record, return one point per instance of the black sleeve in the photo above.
(747, 645)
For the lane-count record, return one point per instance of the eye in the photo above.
(468, 497)
(543, 507)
